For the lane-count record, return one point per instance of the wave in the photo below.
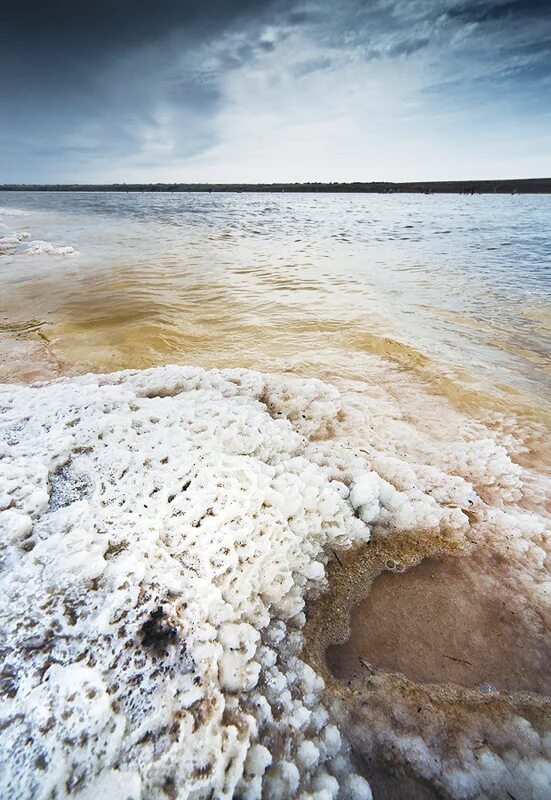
(163, 531)
(12, 212)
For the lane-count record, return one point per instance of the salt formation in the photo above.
(16, 240)
(39, 247)
(12, 241)
(160, 533)
(20, 241)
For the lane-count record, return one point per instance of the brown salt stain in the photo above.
(448, 621)
(454, 610)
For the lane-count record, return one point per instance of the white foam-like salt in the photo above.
(164, 545)
(39, 247)
(160, 532)
(12, 241)
(20, 241)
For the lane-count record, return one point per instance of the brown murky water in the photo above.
(456, 287)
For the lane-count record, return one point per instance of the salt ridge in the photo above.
(40, 247)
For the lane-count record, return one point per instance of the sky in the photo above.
(274, 90)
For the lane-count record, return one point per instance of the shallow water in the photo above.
(458, 287)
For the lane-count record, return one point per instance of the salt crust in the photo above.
(37, 247)
(160, 531)
(12, 240)
(40, 247)
(19, 241)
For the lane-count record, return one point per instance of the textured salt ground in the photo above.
(215, 503)
(454, 620)
(99, 477)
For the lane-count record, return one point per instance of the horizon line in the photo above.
(478, 185)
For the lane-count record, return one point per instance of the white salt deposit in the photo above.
(17, 241)
(39, 247)
(13, 240)
(160, 532)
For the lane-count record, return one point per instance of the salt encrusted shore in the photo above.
(13, 241)
(161, 531)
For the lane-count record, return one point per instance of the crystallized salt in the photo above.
(160, 532)
(12, 241)
(18, 240)
(39, 247)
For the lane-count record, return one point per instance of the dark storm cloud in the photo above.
(72, 70)
(87, 26)
(509, 10)
(64, 45)
(87, 84)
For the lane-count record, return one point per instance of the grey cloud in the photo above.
(311, 65)
(299, 17)
(495, 11)
(86, 81)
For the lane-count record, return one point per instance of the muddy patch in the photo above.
(448, 621)
(435, 662)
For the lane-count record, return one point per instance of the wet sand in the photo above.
(448, 621)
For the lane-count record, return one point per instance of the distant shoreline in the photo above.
(514, 186)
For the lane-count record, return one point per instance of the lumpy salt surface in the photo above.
(161, 532)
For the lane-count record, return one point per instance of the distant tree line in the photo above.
(514, 186)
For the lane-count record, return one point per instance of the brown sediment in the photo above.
(26, 353)
(351, 574)
(399, 352)
(449, 621)
(419, 642)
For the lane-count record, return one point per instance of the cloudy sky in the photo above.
(274, 90)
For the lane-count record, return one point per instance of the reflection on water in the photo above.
(455, 287)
